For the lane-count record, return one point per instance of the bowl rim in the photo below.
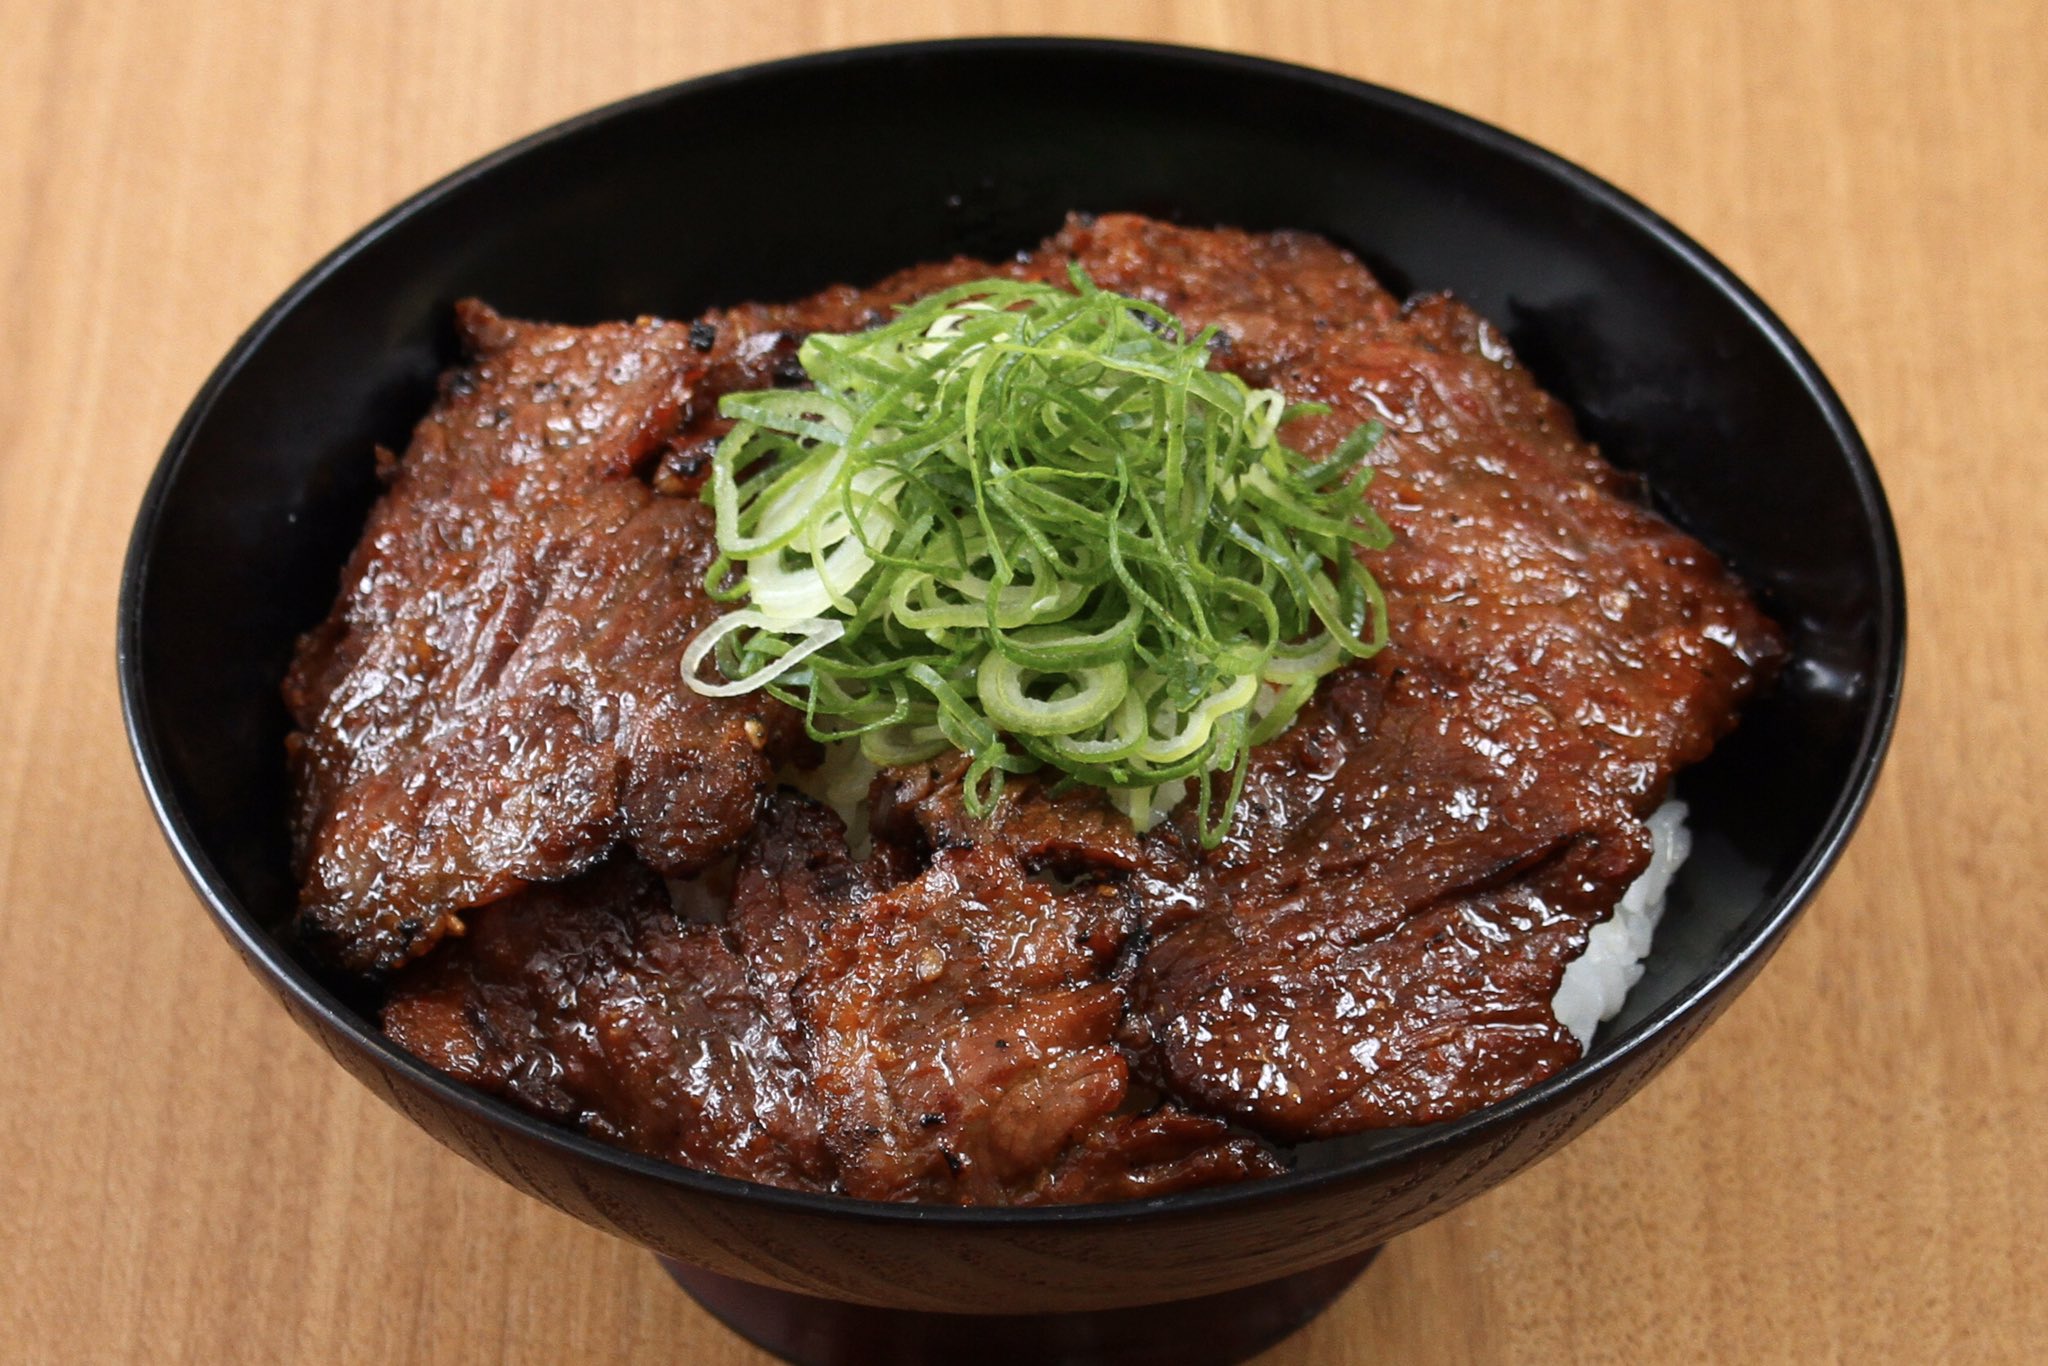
(268, 954)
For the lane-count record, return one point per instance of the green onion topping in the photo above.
(1032, 525)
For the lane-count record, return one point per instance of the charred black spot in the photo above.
(690, 459)
(703, 335)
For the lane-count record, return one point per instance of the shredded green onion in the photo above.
(1031, 524)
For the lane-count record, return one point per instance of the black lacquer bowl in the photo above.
(872, 160)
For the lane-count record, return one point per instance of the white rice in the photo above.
(1598, 980)
(841, 782)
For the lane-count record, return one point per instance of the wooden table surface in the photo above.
(1849, 1165)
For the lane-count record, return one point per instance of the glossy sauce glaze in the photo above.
(1039, 1006)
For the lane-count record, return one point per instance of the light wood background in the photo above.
(1850, 1165)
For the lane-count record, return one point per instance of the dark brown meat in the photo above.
(754, 346)
(1040, 1006)
(496, 699)
(593, 1003)
(1406, 880)
(946, 1039)
(962, 1023)
(1418, 859)
(1521, 559)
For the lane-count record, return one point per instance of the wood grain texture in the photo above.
(1849, 1165)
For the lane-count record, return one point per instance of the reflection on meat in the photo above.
(593, 1003)
(963, 1021)
(948, 1038)
(1397, 922)
(1520, 561)
(494, 700)
(1417, 860)
(754, 346)
(1040, 1006)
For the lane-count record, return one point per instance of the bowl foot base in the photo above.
(1213, 1330)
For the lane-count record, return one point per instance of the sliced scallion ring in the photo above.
(1030, 523)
